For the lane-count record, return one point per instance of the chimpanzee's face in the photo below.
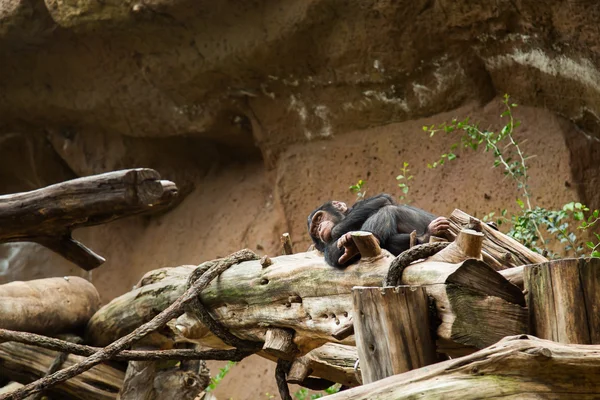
(323, 219)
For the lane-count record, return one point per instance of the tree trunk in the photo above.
(49, 215)
(24, 364)
(518, 367)
(48, 306)
(563, 300)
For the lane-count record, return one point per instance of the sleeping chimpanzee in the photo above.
(330, 225)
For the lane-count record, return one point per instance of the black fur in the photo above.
(391, 223)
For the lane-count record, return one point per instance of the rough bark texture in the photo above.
(518, 367)
(563, 300)
(49, 215)
(499, 251)
(48, 305)
(392, 329)
(24, 364)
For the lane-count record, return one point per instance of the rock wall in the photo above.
(261, 110)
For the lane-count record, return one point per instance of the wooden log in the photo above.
(366, 243)
(24, 364)
(499, 251)
(153, 380)
(467, 244)
(49, 215)
(392, 330)
(249, 299)
(475, 304)
(518, 367)
(280, 343)
(48, 306)
(563, 300)
(286, 244)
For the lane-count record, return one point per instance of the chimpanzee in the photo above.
(330, 225)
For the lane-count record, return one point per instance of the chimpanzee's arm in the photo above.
(359, 213)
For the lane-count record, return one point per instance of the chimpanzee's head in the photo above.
(322, 220)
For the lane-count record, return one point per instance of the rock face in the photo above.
(262, 110)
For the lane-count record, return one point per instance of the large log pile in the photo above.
(298, 311)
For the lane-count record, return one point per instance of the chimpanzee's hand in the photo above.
(439, 227)
(350, 249)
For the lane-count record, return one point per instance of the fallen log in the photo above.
(499, 250)
(23, 363)
(48, 215)
(48, 306)
(518, 367)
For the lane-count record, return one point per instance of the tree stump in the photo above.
(392, 330)
(563, 299)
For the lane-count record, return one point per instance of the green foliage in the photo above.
(215, 380)
(527, 226)
(303, 393)
(358, 189)
(403, 180)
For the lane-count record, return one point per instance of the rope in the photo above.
(404, 259)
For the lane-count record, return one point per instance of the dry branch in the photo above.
(49, 215)
(50, 305)
(518, 367)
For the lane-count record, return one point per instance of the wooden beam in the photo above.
(49, 215)
(392, 330)
(517, 367)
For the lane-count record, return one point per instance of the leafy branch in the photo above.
(508, 153)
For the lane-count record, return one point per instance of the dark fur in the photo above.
(391, 223)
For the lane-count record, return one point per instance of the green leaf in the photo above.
(520, 203)
(451, 156)
(590, 244)
(596, 254)
(405, 190)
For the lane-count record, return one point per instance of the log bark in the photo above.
(49, 215)
(280, 343)
(518, 367)
(302, 293)
(563, 300)
(392, 330)
(475, 304)
(286, 244)
(48, 306)
(366, 243)
(24, 364)
(153, 380)
(499, 251)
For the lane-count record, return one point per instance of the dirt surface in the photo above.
(261, 112)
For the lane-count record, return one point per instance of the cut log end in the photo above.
(280, 343)
(367, 244)
(300, 370)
